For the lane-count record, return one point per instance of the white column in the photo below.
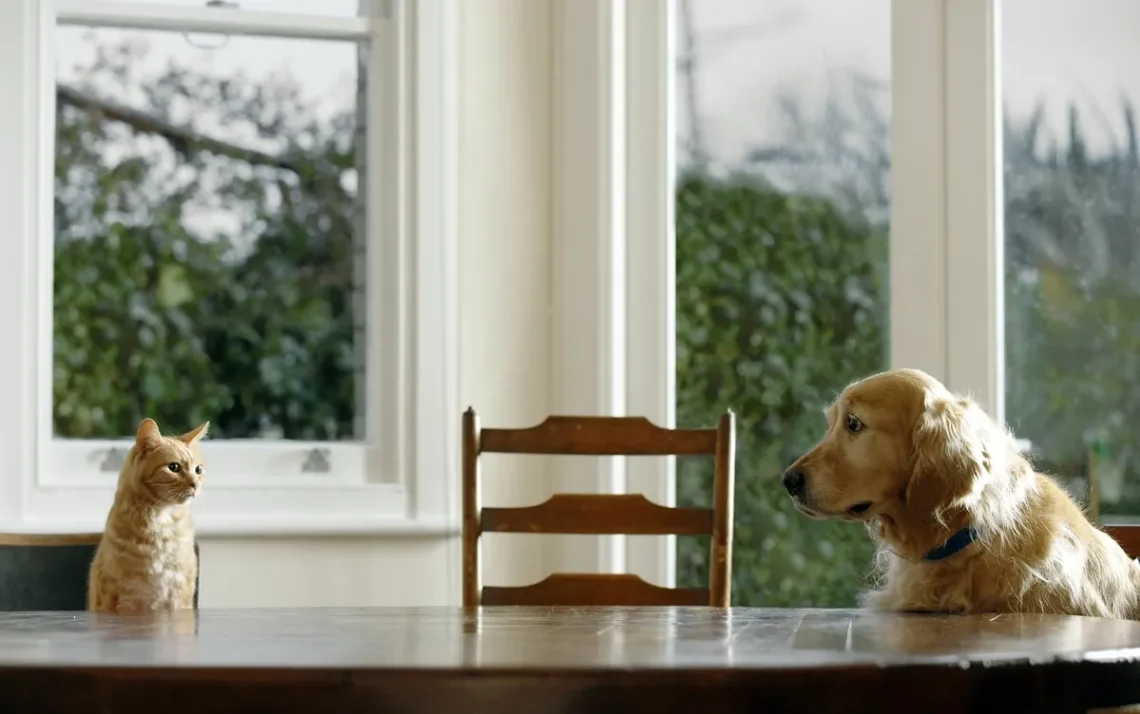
(651, 263)
(946, 234)
(588, 254)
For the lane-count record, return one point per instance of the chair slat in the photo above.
(591, 589)
(598, 436)
(598, 514)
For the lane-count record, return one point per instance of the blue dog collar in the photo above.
(956, 544)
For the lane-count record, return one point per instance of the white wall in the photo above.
(504, 234)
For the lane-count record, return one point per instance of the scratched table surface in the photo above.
(567, 660)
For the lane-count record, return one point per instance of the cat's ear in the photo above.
(148, 437)
(196, 434)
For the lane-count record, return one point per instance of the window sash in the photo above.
(188, 18)
(250, 461)
(945, 241)
(258, 487)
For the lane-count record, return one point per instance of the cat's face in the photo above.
(166, 469)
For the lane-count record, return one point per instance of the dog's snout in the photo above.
(794, 481)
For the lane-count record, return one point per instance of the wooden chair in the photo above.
(599, 514)
(1127, 536)
(41, 572)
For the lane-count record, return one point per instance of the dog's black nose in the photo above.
(794, 481)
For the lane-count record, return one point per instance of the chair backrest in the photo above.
(600, 514)
(40, 572)
(1127, 536)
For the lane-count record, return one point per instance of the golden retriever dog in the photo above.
(963, 522)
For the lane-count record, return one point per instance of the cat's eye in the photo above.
(198, 470)
(174, 467)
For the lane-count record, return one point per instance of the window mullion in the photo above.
(946, 306)
(651, 338)
(918, 335)
(975, 289)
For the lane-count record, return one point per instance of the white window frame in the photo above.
(946, 243)
(651, 237)
(946, 309)
(612, 267)
(401, 478)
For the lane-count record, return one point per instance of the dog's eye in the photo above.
(853, 424)
(174, 467)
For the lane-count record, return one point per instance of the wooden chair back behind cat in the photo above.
(40, 572)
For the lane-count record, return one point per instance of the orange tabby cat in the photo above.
(146, 561)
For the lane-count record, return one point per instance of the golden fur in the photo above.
(145, 561)
(917, 464)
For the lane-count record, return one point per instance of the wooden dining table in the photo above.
(563, 660)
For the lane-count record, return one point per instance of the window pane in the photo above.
(782, 209)
(1072, 221)
(205, 216)
(331, 8)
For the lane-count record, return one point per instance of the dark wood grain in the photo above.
(594, 514)
(592, 589)
(588, 513)
(564, 660)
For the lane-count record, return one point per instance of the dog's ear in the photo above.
(950, 454)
